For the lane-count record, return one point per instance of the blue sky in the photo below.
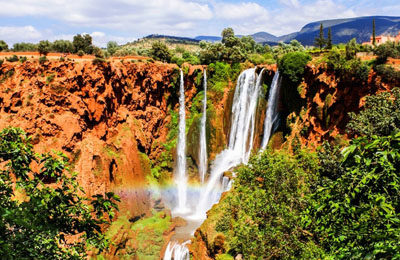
(127, 20)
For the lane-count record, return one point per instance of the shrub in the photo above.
(23, 46)
(44, 47)
(13, 58)
(40, 221)
(42, 59)
(22, 59)
(80, 53)
(63, 46)
(1, 62)
(3, 45)
(355, 215)
(82, 43)
(265, 207)
(159, 51)
(388, 74)
(292, 66)
(98, 61)
(386, 50)
(380, 116)
(112, 47)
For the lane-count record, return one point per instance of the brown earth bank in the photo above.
(110, 118)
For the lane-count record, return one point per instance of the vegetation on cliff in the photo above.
(43, 211)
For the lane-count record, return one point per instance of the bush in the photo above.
(265, 207)
(98, 61)
(355, 215)
(83, 43)
(63, 46)
(388, 74)
(44, 47)
(159, 51)
(22, 59)
(40, 221)
(42, 59)
(386, 50)
(1, 62)
(352, 68)
(23, 46)
(3, 45)
(292, 66)
(380, 116)
(80, 53)
(13, 58)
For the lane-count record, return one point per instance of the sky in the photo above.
(127, 20)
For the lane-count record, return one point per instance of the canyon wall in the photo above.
(110, 118)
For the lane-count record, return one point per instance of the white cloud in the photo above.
(240, 11)
(11, 34)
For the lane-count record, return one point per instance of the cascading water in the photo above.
(240, 145)
(272, 110)
(177, 251)
(180, 175)
(203, 141)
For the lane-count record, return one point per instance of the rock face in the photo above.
(109, 118)
(326, 100)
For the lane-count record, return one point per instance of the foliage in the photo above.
(22, 59)
(83, 43)
(385, 51)
(1, 62)
(380, 116)
(13, 58)
(37, 221)
(112, 47)
(351, 49)
(44, 47)
(388, 74)
(3, 45)
(98, 61)
(42, 59)
(292, 66)
(329, 40)
(355, 214)
(24, 46)
(343, 67)
(263, 216)
(320, 41)
(63, 46)
(159, 51)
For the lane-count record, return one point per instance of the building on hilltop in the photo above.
(381, 39)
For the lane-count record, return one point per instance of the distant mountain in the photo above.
(208, 38)
(343, 30)
(171, 38)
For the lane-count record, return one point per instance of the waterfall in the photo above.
(178, 251)
(240, 145)
(203, 141)
(180, 175)
(272, 110)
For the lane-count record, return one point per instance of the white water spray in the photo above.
(272, 110)
(203, 140)
(180, 175)
(240, 144)
(177, 251)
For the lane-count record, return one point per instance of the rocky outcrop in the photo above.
(110, 118)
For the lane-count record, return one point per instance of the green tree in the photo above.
(160, 51)
(3, 45)
(112, 47)
(373, 32)
(351, 49)
(386, 50)
(380, 116)
(83, 43)
(44, 47)
(41, 221)
(63, 46)
(355, 214)
(292, 66)
(329, 40)
(320, 41)
(261, 216)
(25, 46)
(229, 39)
